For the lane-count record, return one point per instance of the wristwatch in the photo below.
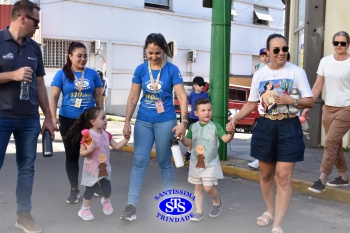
(295, 102)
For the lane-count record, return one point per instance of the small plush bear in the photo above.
(103, 166)
(200, 157)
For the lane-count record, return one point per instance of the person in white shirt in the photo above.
(334, 74)
(277, 140)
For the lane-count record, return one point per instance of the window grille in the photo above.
(55, 52)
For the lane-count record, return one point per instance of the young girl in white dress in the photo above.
(96, 168)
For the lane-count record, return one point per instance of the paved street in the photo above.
(242, 202)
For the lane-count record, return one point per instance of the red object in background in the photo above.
(86, 136)
(238, 96)
(5, 15)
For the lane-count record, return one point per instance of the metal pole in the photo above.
(219, 64)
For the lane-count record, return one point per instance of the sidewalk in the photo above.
(238, 155)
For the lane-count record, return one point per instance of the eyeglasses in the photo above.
(342, 43)
(201, 84)
(277, 50)
(36, 21)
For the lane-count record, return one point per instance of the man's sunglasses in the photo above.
(342, 43)
(36, 22)
(201, 84)
(277, 50)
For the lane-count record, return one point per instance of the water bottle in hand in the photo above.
(304, 124)
(86, 136)
(47, 144)
(24, 94)
(175, 149)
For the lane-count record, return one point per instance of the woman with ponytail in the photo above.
(81, 89)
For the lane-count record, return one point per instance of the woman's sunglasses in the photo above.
(277, 50)
(342, 43)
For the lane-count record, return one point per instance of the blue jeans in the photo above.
(25, 132)
(145, 134)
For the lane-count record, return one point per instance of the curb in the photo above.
(334, 194)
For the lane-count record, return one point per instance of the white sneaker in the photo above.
(85, 214)
(254, 164)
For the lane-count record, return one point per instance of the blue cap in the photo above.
(262, 51)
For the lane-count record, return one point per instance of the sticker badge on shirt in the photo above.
(77, 102)
(159, 106)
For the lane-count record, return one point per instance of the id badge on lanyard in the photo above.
(159, 106)
(80, 84)
(77, 103)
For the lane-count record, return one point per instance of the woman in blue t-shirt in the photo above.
(81, 89)
(156, 117)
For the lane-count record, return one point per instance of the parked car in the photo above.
(238, 96)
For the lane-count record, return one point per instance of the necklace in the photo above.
(155, 85)
(276, 73)
(80, 84)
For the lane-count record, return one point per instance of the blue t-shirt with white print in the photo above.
(70, 92)
(170, 76)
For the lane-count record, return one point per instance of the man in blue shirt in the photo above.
(21, 61)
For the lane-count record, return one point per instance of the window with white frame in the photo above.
(261, 16)
(55, 52)
(162, 4)
(299, 32)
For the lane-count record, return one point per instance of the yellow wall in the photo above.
(337, 19)
(246, 81)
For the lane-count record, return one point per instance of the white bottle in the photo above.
(175, 149)
(294, 93)
(304, 124)
(24, 95)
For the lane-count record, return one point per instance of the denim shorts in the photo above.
(278, 140)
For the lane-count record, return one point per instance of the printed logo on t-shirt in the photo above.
(86, 85)
(149, 86)
(151, 95)
(8, 56)
(267, 89)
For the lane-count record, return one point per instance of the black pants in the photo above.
(105, 188)
(71, 149)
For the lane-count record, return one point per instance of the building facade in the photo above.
(114, 32)
(312, 24)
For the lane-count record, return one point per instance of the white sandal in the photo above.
(266, 218)
(277, 230)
